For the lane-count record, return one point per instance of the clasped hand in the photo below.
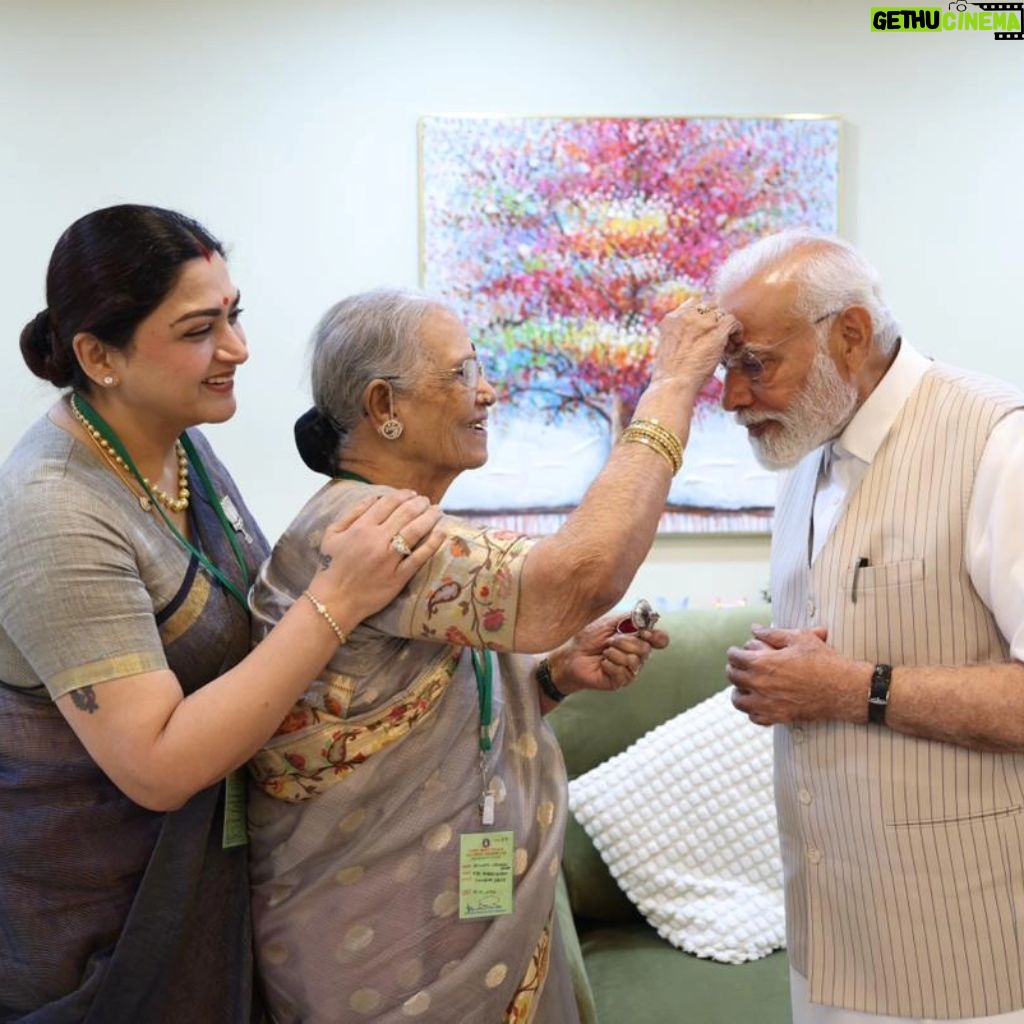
(790, 675)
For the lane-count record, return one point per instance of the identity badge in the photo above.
(486, 862)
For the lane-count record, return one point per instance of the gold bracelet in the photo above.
(655, 429)
(637, 438)
(651, 434)
(673, 452)
(322, 610)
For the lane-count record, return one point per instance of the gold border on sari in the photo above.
(524, 1003)
(103, 671)
(317, 750)
(186, 615)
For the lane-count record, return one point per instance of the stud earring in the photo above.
(392, 427)
(107, 381)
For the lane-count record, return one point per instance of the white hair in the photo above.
(831, 275)
(373, 334)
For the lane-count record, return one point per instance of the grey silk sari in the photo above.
(110, 913)
(360, 799)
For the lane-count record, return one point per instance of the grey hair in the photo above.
(832, 275)
(372, 334)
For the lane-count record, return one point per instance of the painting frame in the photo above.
(483, 191)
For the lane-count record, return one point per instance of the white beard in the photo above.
(820, 411)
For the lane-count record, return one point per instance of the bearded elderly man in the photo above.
(893, 671)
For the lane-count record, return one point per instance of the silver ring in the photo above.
(400, 546)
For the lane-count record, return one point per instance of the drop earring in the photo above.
(392, 427)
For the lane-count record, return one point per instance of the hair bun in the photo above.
(40, 351)
(317, 441)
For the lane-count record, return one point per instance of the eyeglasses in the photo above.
(752, 365)
(468, 372)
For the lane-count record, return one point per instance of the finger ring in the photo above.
(400, 546)
(703, 310)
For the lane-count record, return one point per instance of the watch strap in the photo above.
(547, 684)
(878, 698)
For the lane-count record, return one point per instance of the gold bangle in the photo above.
(322, 610)
(674, 450)
(659, 440)
(663, 438)
(655, 429)
(653, 445)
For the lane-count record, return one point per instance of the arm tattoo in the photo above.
(325, 561)
(85, 699)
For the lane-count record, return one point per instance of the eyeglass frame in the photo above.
(469, 372)
(755, 377)
(461, 371)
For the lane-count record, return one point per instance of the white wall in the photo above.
(290, 129)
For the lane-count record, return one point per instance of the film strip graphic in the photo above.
(1019, 8)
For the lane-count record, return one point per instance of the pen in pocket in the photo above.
(862, 563)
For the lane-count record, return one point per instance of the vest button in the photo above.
(814, 855)
(798, 734)
(804, 797)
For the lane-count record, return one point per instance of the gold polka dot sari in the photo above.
(360, 799)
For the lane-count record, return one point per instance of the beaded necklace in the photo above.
(178, 504)
(101, 427)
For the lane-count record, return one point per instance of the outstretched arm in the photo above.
(577, 574)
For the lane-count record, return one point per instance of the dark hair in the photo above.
(317, 438)
(108, 272)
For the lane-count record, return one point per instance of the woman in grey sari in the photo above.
(128, 694)
(408, 816)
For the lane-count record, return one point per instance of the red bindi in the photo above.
(225, 300)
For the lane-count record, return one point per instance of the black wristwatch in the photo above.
(878, 698)
(547, 684)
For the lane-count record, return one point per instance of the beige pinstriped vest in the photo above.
(904, 858)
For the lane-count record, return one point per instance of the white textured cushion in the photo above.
(685, 820)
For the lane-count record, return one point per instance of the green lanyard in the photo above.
(108, 435)
(483, 669)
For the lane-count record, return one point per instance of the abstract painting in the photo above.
(561, 242)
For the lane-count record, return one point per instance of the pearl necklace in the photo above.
(178, 504)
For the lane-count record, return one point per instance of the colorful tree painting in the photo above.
(562, 241)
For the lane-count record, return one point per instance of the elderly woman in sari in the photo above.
(421, 752)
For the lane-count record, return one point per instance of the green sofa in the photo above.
(629, 974)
